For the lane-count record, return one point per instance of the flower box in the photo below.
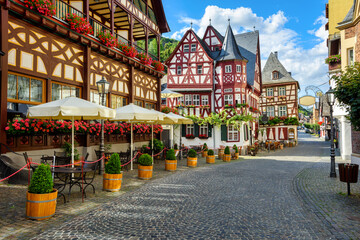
(157, 65)
(107, 39)
(45, 7)
(203, 136)
(79, 24)
(144, 58)
(128, 51)
(190, 136)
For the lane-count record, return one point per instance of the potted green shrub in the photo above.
(112, 177)
(210, 158)
(227, 154)
(156, 145)
(192, 158)
(145, 167)
(41, 196)
(204, 150)
(170, 162)
(236, 151)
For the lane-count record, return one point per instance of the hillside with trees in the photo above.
(167, 46)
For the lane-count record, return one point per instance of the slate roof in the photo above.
(273, 64)
(349, 16)
(230, 50)
(248, 43)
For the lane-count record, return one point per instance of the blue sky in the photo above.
(293, 28)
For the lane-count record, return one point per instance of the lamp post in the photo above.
(330, 97)
(181, 113)
(103, 89)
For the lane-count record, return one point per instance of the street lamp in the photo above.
(181, 114)
(330, 97)
(103, 89)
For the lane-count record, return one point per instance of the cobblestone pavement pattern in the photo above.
(252, 199)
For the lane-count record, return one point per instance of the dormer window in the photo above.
(186, 47)
(275, 75)
(193, 47)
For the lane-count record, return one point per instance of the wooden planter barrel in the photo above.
(220, 153)
(210, 159)
(191, 162)
(145, 172)
(204, 153)
(226, 157)
(170, 165)
(281, 146)
(41, 206)
(236, 156)
(112, 182)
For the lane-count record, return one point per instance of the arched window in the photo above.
(275, 75)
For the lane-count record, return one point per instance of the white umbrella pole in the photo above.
(131, 146)
(72, 141)
(152, 142)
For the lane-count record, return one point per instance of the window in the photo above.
(350, 56)
(181, 100)
(61, 91)
(282, 111)
(95, 97)
(269, 92)
(193, 47)
(228, 69)
(138, 103)
(228, 99)
(178, 70)
(187, 100)
(246, 132)
(189, 129)
(238, 68)
(233, 133)
(118, 101)
(186, 47)
(203, 130)
(270, 111)
(149, 105)
(204, 100)
(282, 91)
(196, 99)
(243, 99)
(275, 75)
(24, 89)
(199, 69)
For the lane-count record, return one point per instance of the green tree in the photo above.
(347, 92)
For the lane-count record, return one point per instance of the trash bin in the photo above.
(348, 172)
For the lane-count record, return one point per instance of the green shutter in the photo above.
(196, 130)
(209, 130)
(183, 130)
(223, 133)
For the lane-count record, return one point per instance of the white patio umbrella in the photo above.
(281, 133)
(133, 113)
(167, 93)
(71, 108)
(271, 135)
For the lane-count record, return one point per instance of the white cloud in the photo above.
(307, 65)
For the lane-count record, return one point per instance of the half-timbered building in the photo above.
(214, 73)
(46, 60)
(279, 99)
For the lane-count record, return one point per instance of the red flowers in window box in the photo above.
(166, 109)
(129, 51)
(191, 136)
(203, 136)
(45, 7)
(79, 24)
(158, 66)
(108, 39)
(144, 58)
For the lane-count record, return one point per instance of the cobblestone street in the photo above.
(279, 195)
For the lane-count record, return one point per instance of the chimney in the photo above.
(276, 54)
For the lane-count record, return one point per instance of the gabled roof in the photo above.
(203, 44)
(248, 44)
(221, 37)
(230, 49)
(160, 16)
(273, 64)
(349, 16)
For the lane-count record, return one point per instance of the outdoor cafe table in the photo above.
(65, 177)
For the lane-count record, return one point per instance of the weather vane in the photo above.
(229, 20)
(191, 25)
(210, 21)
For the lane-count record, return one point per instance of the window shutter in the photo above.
(183, 130)
(196, 130)
(209, 130)
(223, 133)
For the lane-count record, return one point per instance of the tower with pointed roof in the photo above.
(280, 99)
(214, 72)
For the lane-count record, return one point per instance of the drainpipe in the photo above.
(213, 102)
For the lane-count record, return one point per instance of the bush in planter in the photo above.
(145, 160)
(114, 165)
(192, 153)
(176, 146)
(235, 148)
(205, 147)
(157, 145)
(210, 152)
(170, 155)
(227, 150)
(41, 181)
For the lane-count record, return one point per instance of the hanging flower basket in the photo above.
(144, 58)
(45, 7)
(158, 66)
(128, 51)
(79, 24)
(108, 39)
